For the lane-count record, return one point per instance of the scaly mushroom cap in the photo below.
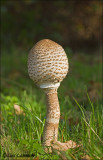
(47, 63)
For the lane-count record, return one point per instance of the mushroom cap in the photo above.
(47, 63)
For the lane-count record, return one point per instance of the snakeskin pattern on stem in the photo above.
(52, 117)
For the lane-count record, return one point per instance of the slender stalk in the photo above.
(50, 135)
(52, 117)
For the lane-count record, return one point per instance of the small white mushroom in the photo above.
(47, 67)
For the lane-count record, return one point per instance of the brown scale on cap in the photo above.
(47, 62)
(47, 67)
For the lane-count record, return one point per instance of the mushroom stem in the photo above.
(50, 135)
(52, 117)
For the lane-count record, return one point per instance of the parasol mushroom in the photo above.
(47, 67)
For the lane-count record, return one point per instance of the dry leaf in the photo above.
(37, 158)
(86, 157)
(18, 110)
(64, 146)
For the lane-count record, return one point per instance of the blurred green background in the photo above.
(76, 25)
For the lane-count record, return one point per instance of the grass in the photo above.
(23, 108)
